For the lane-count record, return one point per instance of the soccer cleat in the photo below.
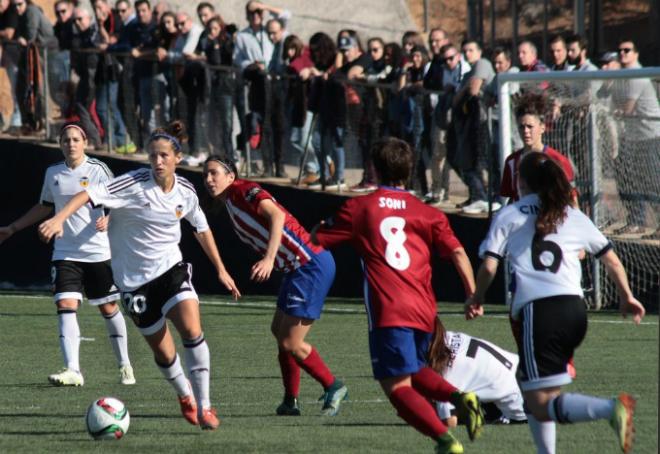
(469, 410)
(333, 397)
(126, 376)
(67, 377)
(288, 407)
(189, 409)
(447, 444)
(622, 421)
(209, 420)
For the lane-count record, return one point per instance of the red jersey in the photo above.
(296, 248)
(509, 186)
(394, 233)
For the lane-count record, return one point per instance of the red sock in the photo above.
(290, 373)
(414, 409)
(431, 385)
(315, 367)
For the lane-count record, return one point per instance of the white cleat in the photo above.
(67, 377)
(126, 376)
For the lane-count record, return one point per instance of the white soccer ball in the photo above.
(107, 419)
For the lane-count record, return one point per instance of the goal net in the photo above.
(608, 124)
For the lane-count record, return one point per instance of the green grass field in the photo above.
(36, 417)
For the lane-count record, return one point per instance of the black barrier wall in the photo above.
(25, 261)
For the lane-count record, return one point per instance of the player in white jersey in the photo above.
(543, 236)
(145, 229)
(488, 370)
(81, 258)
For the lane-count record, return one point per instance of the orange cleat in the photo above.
(208, 419)
(189, 409)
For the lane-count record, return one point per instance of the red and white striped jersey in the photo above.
(296, 248)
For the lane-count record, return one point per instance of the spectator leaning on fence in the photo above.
(636, 101)
(528, 57)
(472, 133)
(9, 60)
(33, 29)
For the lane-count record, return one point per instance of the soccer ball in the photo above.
(107, 419)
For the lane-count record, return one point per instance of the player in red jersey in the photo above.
(395, 234)
(530, 115)
(285, 245)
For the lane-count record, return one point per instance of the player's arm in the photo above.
(275, 217)
(32, 216)
(54, 226)
(210, 248)
(462, 263)
(485, 276)
(616, 271)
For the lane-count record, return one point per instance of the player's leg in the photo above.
(102, 292)
(186, 318)
(162, 345)
(393, 359)
(67, 282)
(290, 334)
(290, 374)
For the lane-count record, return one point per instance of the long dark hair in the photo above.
(547, 179)
(439, 355)
(323, 50)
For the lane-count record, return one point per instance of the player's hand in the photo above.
(6, 232)
(473, 309)
(102, 223)
(229, 284)
(261, 270)
(634, 307)
(49, 229)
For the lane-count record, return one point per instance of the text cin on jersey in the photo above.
(393, 204)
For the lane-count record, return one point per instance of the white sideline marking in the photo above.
(339, 310)
(88, 339)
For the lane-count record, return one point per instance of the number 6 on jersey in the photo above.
(396, 255)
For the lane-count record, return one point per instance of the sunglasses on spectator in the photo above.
(122, 11)
(625, 50)
(451, 57)
(180, 24)
(19, 4)
(79, 19)
(61, 11)
(375, 49)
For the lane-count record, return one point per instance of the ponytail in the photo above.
(547, 179)
(439, 355)
(174, 132)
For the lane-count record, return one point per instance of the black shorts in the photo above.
(149, 304)
(73, 279)
(552, 328)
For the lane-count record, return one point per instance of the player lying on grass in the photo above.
(489, 371)
(81, 257)
(145, 229)
(269, 229)
(543, 235)
(395, 233)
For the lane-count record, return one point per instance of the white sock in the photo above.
(198, 362)
(116, 326)
(572, 407)
(69, 338)
(174, 374)
(544, 434)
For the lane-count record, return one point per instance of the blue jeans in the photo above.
(147, 85)
(104, 93)
(222, 122)
(329, 141)
(299, 140)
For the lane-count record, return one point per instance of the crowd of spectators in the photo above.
(123, 69)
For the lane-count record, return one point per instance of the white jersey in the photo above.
(80, 242)
(145, 227)
(485, 369)
(551, 266)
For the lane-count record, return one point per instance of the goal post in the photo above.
(614, 146)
